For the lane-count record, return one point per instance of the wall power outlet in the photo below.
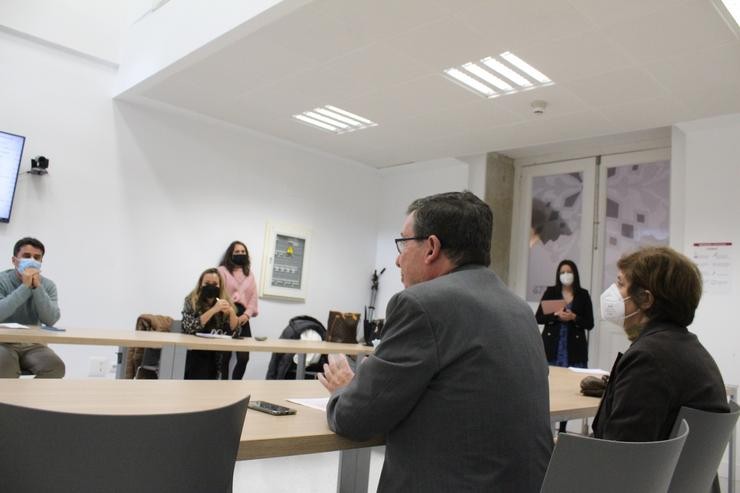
(99, 366)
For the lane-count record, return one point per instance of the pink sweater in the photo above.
(242, 289)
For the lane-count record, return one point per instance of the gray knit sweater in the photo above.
(23, 305)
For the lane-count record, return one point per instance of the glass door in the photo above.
(556, 203)
(634, 211)
(590, 211)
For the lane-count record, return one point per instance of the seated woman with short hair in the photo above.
(666, 367)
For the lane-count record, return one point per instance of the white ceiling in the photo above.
(618, 66)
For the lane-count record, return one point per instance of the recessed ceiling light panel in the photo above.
(334, 120)
(497, 76)
(470, 83)
(733, 7)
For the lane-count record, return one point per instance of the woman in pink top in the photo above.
(242, 288)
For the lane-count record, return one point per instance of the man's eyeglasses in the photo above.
(401, 242)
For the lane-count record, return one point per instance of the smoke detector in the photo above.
(538, 107)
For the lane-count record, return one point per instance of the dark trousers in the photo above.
(202, 365)
(242, 358)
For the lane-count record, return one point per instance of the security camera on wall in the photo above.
(39, 165)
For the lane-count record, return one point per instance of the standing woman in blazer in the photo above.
(242, 287)
(564, 335)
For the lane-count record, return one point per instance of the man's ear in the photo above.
(433, 249)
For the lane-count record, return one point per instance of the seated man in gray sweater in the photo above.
(28, 298)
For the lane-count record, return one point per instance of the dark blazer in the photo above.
(458, 386)
(665, 368)
(577, 342)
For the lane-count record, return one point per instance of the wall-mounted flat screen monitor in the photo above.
(11, 150)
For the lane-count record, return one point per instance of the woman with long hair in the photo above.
(207, 309)
(564, 335)
(565, 330)
(242, 287)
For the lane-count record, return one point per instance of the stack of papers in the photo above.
(13, 325)
(590, 371)
(318, 403)
(213, 336)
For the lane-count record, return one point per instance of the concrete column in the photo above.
(499, 195)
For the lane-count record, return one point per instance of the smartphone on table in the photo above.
(270, 408)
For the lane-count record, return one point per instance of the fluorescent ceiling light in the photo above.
(316, 116)
(316, 123)
(335, 120)
(487, 76)
(733, 7)
(470, 82)
(525, 67)
(348, 114)
(337, 116)
(494, 82)
(502, 69)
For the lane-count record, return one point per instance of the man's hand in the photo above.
(28, 277)
(337, 374)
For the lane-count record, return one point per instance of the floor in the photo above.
(316, 473)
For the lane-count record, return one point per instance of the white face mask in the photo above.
(566, 278)
(612, 306)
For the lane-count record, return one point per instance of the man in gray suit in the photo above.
(458, 384)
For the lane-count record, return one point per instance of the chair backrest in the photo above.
(67, 452)
(582, 464)
(704, 448)
(150, 357)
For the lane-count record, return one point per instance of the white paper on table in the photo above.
(13, 325)
(591, 371)
(212, 336)
(319, 403)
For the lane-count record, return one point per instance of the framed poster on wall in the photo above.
(285, 262)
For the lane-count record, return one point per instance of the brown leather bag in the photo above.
(594, 386)
(342, 327)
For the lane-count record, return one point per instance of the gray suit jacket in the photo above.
(459, 388)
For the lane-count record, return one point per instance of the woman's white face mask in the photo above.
(566, 278)
(612, 306)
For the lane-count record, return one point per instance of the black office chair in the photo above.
(149, 367)
(47, 451)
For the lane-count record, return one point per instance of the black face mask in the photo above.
(239, 259)
(209, 291)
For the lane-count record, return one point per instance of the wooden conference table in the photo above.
(263, 435)
(566, 402)
(174, 346)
